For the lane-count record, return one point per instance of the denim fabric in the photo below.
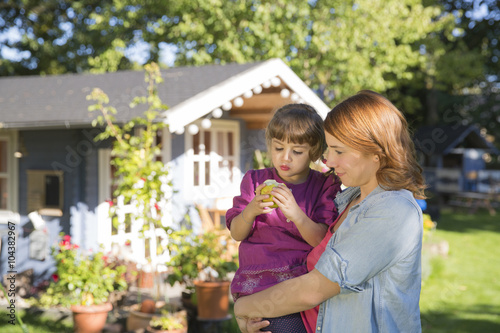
(375, 258)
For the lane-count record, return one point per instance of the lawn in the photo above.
(462, 294)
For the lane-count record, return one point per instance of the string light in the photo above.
(193, 129)
(238, 102)
(285, 93)
(217, 113)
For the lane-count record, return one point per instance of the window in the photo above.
(213, 159)
(45, 192)
(4, 173)
(8, 174)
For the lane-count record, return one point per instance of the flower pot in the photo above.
(90, 318)
(146, 279)
(137, 320)
(213, 299)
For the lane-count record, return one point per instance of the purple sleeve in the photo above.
(325, 210)
(247, 190)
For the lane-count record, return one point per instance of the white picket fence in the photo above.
(128, 240)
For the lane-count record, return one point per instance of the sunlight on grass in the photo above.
(462, 294)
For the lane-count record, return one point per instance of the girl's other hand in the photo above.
(286, 202)
(252, 325)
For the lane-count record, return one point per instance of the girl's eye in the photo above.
(278, 149)
(297, 152)
(338, 152)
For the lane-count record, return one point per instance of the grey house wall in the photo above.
(76, 153)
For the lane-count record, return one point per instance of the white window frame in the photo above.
(219, 185)
(11, 213)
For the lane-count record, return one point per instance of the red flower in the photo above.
(157, 206)
(55, 277)
(128, 242)
(110, 203)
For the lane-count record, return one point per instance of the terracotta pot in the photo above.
(91, 318)
(137, 320)
(213, 299)
(146, 279)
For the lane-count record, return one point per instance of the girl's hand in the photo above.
(251, 325)
(285, 200)
(258, 206)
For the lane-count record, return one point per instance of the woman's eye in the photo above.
(338, 152)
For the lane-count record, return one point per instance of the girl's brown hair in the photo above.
(298, 123)
(371, 124)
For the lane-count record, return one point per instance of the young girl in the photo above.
(275, 242)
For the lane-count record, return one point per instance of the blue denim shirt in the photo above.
(375, 258)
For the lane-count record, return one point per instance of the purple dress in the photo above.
(274, 250)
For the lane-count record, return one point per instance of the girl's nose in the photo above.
(287, 155)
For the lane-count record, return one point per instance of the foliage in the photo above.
(429, 225)
(36, 322)
(81, 278)
(141, 179)
(202, 256)
(429, 57)
(261, 159)
(169, 321)
(11, 302)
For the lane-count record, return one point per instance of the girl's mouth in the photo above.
(284, 168)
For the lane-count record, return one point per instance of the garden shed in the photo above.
(55, 178)
(454, 158)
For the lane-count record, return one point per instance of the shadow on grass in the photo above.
(461, 221)
(450, 321)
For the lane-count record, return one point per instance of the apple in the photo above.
(270, 184)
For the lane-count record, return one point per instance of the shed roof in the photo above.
(60, 100)
(189, 92)
(442, 139)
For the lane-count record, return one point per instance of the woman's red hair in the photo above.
(371, 124)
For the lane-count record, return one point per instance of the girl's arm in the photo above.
(312, 232)
(242, 224)
(290, 296)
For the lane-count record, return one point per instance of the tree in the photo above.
(422, 54)
(141, 179)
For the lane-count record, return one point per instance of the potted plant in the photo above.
(168, 323)
(201, 262)
(83, 282)
(141, 315)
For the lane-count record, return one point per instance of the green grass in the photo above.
(462, 294)
(36, 323)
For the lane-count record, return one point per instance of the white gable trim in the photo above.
(210, 99)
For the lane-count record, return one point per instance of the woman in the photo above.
(367, 275)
